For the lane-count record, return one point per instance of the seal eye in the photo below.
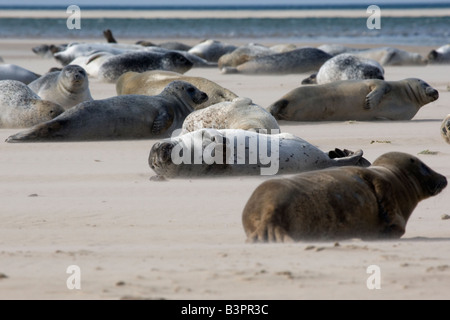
(190, 90)
(424, 170)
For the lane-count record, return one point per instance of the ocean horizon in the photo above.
(426, 30)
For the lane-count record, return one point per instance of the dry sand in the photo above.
(91, 204)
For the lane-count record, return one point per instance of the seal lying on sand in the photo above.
(346, 66)
(362, 100)
(120, 117)
(241, 113)
(340, 203)
(15, 72)
(295, 61)
(67, 87)
(153, 82)
(211, 50)
(20, 107)
(235, 152)
(142, 61)
(440, 55)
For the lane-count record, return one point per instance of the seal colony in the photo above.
(341, 203)
(223, 134)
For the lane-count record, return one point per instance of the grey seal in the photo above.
(241, 113)
(67, 87)
(120, 117)
(20, 107)
(235, 152)
(15, 72)
(346, 66)
(295, 61)
(142, 61)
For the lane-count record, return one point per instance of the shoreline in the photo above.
(229, 14)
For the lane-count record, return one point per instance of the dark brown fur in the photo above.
(339, 203)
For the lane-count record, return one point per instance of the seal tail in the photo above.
(348, 158)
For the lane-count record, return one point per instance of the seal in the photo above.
(445, 129)
(440, 55)
(67, 87)
(15, 72)
(92, 63)
(47, 51)
(335, 49)
(388, 56)
(235, 152)
(75, 50)
(362, 100)
(341, 203)
(295, 61)
(153, 82)
(346, 66)
(21, 108)
(211, 50)
(243, 54)
(120, 117)
(241, 113)
(141, 61)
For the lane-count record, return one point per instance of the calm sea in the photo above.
(394, 30)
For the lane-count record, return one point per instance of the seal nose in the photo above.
(433, 93)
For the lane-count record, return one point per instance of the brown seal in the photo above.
(339, 203)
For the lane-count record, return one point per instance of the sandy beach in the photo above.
(91, 204)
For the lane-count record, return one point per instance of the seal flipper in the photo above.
(375, 95)
(162, 122)
(348, 158)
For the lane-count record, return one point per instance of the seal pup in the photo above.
(295, 61)
(241, 113)
(346, 66)
(440, 55)
(362, 100)
(15, 72)
(120, 117)
(236, 152)
(67, 87)
(211, 50)
(341, 203)
(445, 129)
(142, 61)
(20, 107)
(153, 82)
